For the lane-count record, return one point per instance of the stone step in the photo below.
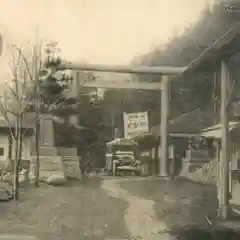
(206, 174)
(200, 154)
(45, 151)
(50, 165)
(47, 159)
(200, 160)
(67, 152)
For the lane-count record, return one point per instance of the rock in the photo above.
(23, 177)
(56, 180)
(6, 191)
(31, 176)
(4, 196)
(8, 178)
(73, 177)
(92, 174)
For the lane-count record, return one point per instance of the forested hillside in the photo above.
(197, 90)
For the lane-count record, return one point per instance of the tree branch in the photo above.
(6, 119)
(25, 62)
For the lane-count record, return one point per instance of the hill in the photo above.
(198, 90)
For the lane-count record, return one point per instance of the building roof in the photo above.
(215, 131)
(28, 121)
(188, 123)
(224, 47)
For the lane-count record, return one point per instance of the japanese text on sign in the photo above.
(135, 123)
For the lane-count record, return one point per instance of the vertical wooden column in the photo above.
(218, 156)
(164, 126)
(224, 160)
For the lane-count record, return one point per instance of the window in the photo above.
(1, 151)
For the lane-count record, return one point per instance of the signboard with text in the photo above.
(135, 123)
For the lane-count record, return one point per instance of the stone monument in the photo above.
(53, 158)
(50, 162)
(46, 140)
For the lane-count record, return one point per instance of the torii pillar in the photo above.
(163, 171)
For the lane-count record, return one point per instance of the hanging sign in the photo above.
(135, 123)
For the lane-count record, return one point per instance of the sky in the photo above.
(94, 31)
(98, 31)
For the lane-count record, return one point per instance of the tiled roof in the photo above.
(190, 123)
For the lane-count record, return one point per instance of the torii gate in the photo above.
(163, 85)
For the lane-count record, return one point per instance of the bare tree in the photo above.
(25, 96)
(15, 108)
(22, 97)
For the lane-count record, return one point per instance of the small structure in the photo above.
(215, 133)
(6, 141)
(182, 130)
(189, 124)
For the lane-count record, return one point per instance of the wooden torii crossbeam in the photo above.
(163, 85)
(123, 85)
(146, 70)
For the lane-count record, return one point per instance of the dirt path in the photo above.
(107, 209)
(78, 211)
(139, 217)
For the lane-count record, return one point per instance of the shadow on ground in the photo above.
(177, 202)
(200, 233)
(81, 210)
(183, 205)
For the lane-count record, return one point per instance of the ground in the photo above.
(108, 209)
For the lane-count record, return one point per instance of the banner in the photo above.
(135, 123)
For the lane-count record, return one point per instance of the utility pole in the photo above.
(164, 126)
(36, 67)
(224, 208)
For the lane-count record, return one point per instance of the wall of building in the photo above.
(26, 152)
(3, 147)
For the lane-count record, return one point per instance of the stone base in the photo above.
(72, 168)
(48, 166)
(46, 151)
(53, 165)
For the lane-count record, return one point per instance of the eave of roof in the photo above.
(219, 49)
(190, 123)
(215, 131)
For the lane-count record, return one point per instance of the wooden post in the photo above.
(231, 150)
(224, 160)
(37, 107)
(113, 122)
(215, 98)
(218, 156)
(164, 126)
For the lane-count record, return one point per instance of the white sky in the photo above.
(99, 31)
(96, 31)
